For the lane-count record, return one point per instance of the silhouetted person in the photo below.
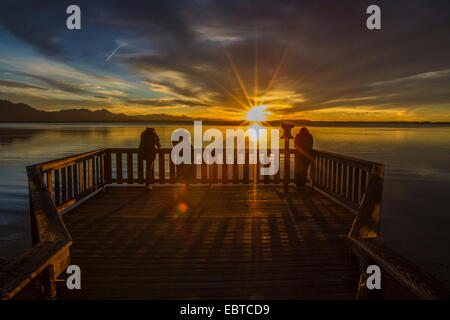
(303, 155)
(147, 149)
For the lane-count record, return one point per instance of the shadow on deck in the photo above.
(228, 242)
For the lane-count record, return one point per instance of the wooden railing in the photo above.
(127, 167)
(71, 179)
(342, 177)
(400, 277)
(57, 185)
(358, 184)
(53, 187)
(34, 274)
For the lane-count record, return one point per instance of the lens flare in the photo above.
(182, 207)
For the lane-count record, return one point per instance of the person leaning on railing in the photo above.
(303, 154)
(148, 149)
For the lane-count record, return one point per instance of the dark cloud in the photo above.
(20, 85)
(167, 102)
(67, 86)
(46, 103)
(63, 85)
(35, 22)
(311, 54)
(329, 54)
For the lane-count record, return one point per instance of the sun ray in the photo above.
(277, 70)
(238, 77)
(255, 93)
(230, 94)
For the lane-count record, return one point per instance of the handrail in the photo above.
(370, 249)
(408, 275)
(364, 164)
(67, 161)
(49, 256)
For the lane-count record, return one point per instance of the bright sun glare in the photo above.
(257, 114)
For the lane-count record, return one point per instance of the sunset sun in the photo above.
(257, 113)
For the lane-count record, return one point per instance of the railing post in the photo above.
(57, 188)
(256, 169)
(97, 171)
(162, 170)
(107, 167)
(287, 160)
(287, 157)
(276, 179)
(50, 182)
(235, 167)
(350, 183)
(80, 177)
(345, 181)
(90, 173)
(119, 166)
(225, 169)
(69, 183)
(140, 169)
(356, 187)
(246, 166)
(48, 283)
(130, 171)
(214, 175)
(339, 178)
(75, 180)
(64, 183)
(85, 175)
(172, 178)
(313, 169)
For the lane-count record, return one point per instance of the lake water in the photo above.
(416, 205)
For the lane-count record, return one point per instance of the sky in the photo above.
(311, 60)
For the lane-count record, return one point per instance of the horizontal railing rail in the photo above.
(36, 271)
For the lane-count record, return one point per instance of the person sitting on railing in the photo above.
(303, 154)
(147, 149)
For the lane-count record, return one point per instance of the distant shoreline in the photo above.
(237, 123)
(22, 113)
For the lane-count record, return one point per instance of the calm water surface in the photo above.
(416, 205)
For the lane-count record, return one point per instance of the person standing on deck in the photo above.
(303, 155)
(147, 149)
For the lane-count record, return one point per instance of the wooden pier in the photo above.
(219, 243)
(232, 234)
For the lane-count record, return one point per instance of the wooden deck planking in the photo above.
(231, 242)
